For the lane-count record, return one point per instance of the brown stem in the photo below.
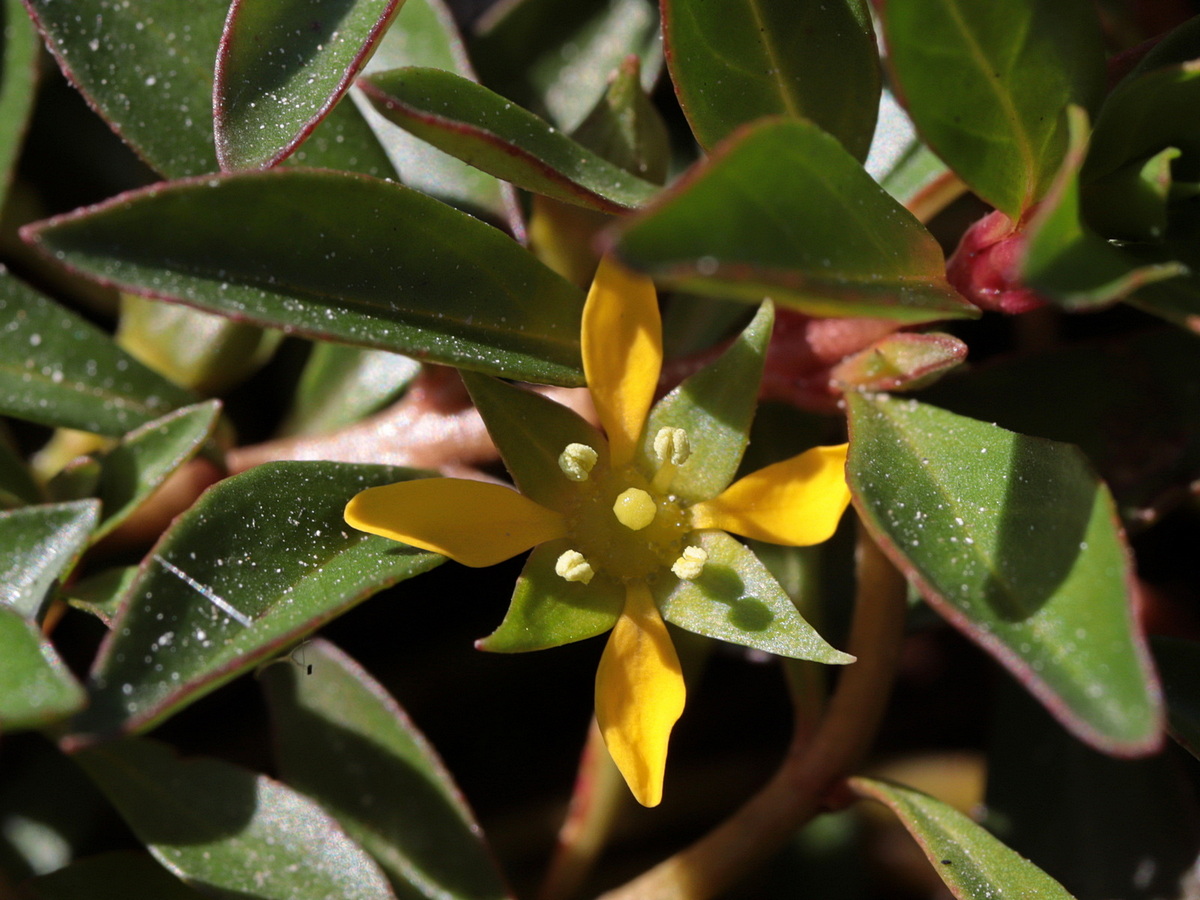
(811, 768)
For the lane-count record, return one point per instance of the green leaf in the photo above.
(715, 407)
(986, 85)
(1104, 827)
(531, 431)
(1016, 542)
(109, 876)
(480, 127)
(17, 486)
(548, 611)
(424, 34)
(19, 47)
(361, 261)
(1179, 662)
(736, 599)
(260, 560)
(59, 370)
(556, 58)
(101, 594)
(735, 61)
(900, 361)
(141, 461)
(147, 67)
(1065, 259)
(36, 689)
(230, 832)
(971, 862)
(343, 740)
(282, 66)
(39, 544)
(783, 211)
(341, 385)
(625, 128)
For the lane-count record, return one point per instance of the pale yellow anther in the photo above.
(635, 509)
(690, 564)
(571, 566)
(577, 461)
(671, 445)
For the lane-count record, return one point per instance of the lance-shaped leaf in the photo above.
(987, 83)
(1015, 541)
(260, 560)
(735, 61)
(343, 740)
(19, 59)
(132, 470)
(282, 66)
(334, 256)
(480, 127)
(341, 385)
(230, 832)
(38, 544)
(36, 689)
(58, 369)
(900, 361)
(973, 864)
(146, 66)
(109, 876)
(782, 210)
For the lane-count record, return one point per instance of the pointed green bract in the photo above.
(344, 741)
(986, 84)
(491, 133)
(261, 559)
(548, 611)
(734, 61)
(36, 688)
(715, 407)
(38, 545)
(782, 210)
(972, 863)
(362, 261)
(736, 599)
(221, 827)
(1015, 541)
(58, 369)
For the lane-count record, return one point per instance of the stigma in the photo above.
(635, 509)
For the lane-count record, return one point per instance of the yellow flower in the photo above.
(620, 529)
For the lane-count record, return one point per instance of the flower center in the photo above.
(623, 525)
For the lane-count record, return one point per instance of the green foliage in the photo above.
(335, 245)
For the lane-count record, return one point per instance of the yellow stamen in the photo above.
(577, 461)
(672, 445)
(635, 509)
(690, 564)
(571, 566)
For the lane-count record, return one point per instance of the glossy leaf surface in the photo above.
(1015, 541)
(260, 560)
(362, 261)
(987, 83)
(19, 46)
(736, 599)
(282, 66)
(39, 544)
(36, 689)
(341, 385)
(228, 831)
(735, 61)
(344, 741)
(132, 470)
(58, 369)
(782, 210)
(971, 862)
(480, 127)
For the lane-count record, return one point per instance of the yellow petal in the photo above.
(795, 502)
(639, 695)
(622, 353)
(472, 522)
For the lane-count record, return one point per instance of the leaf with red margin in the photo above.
(282, 65)
(900, 361)
(1016, 542)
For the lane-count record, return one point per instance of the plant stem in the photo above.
(811, 769)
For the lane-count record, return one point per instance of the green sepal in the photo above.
(716, 408)
(37, 545)
(531, 431)
(548, 611)
(736, 599)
